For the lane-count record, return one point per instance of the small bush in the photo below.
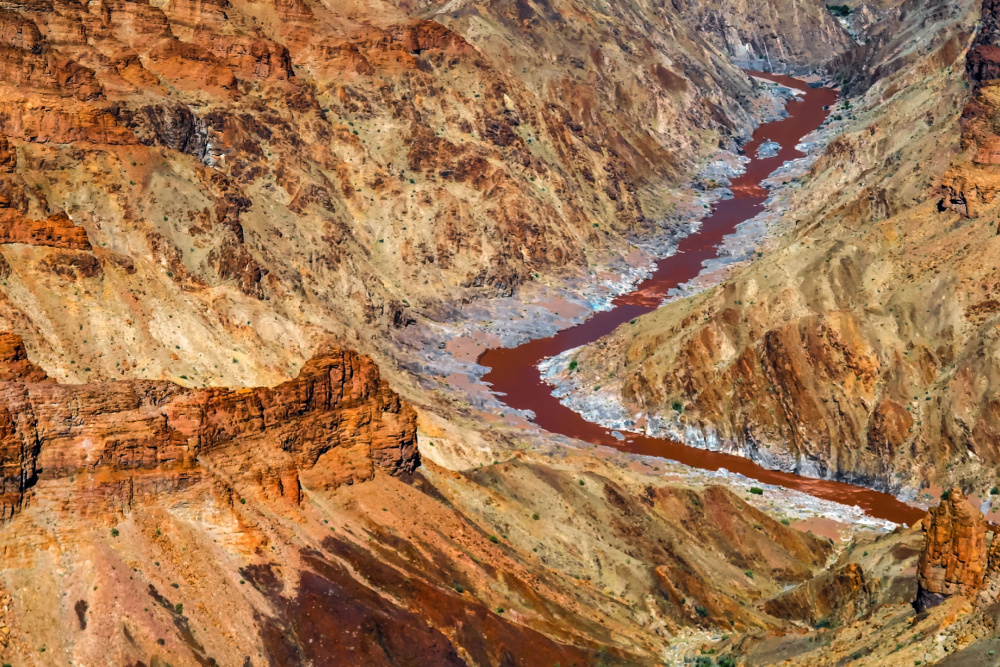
(459, 588)
(581, 482)
(493, 539)
(573, 365)
(756, 490)
(678, 406)
(995, 491)
(841, 11)
(748, 573)
(179, 608)
(535, 516)
(701, 611)
(114, 532)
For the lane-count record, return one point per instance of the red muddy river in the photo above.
(514, 373)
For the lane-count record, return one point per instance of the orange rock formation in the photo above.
(954, 558)
(336, 423)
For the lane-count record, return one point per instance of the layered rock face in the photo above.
(953, 561)
(336, 423)
(278, 177)
(860, 346)
(791, 34)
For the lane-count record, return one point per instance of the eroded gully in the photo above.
(514, 372)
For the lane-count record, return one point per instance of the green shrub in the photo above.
(841, 11)
(114, 532)
(756, 490)
(493, 539)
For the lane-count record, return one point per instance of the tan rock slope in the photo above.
(183, 184)
(859, 346)
(146, 522)
(203, 203)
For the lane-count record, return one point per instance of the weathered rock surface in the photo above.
(953, 561)
(292, 175)
(771, 35)
(336, 423)
(860, 345)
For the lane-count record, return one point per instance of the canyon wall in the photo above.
(336, 423)
(791, 35)
(858, 345)
(182, 184)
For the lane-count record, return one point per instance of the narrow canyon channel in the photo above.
(514, 371)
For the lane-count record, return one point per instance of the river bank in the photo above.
(514, 373)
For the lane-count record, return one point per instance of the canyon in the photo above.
(251, 254)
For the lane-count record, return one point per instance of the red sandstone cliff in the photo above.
(336, 423)
(953, 561)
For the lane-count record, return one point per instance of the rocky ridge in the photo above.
(336, 423)
(840, 352)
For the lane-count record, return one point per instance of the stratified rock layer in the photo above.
(336, 423)
(954, 558)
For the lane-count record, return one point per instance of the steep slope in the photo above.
(145, 522)
(208, 192)
(858, 346)
(798, 35)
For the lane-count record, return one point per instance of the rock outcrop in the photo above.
(954, 560)
(336, 423)
(761, 35)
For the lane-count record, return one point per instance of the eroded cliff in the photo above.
(184, 184)
(858, 344)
